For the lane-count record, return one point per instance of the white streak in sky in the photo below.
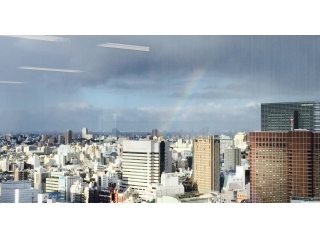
(124, 46)
(7, 82)
(51, 69)
(40, 37)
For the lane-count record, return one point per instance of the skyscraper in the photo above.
(206, 164)
(84, 132)
(155, 133)
(284, 165)
(68, 137)
(290, 115)
(232, 158)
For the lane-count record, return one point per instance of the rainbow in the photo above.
(192, 85)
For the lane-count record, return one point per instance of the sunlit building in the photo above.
(206, 164)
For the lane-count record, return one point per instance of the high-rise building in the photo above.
(143, 162)
(60, 139)
(84, 132)
(155, 133)
(206, 164)
(232, 158)
(225, 142)
(85, 135)
(288, 116)
(284, 165)
(68, 137)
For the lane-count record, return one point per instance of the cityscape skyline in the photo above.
(55, 100)
(72, 81)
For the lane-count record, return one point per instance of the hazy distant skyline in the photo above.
(179, 83)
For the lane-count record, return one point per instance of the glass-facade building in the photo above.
(290, 115)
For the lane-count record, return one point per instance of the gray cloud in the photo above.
(235, 69)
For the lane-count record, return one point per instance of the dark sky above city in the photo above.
(182, 82)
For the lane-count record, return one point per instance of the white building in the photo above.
(109, 177)
(225, 142)
(18, 192)
(245, 163)
(77, 192)
(34, 161)
(40, 175)
(239, 139)
(143, 162)
(234, 186)
(169, 186)
(4, 165)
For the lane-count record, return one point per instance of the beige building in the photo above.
(206, 169)
(239, 139)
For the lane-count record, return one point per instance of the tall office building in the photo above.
(84, 132)
(290, 115)
(206, 164)
(155, 133)
(68, 137)
(232, 158)
(284, 165)
(143, 162)
(60, 139)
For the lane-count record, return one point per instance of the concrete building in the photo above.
(225, 142)
(61, 182)
(169, 186)
(234, 188)
(20, 175)
(232, 158)
(34, 161)
(284, 165)
(4, 165)
(206, 164)
(40, 176)
(110, 177)
(239, 140)
(143, 162)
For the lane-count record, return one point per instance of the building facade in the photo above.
(206, 164)
(143, 162)
(232, 158)
(18, 192)
(284, 165)
(68, 137)
(288, 116)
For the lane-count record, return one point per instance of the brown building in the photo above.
(284, 165)
(20, 175)
(68, 137)
(206, 164)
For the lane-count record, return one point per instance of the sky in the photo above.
(178, 82)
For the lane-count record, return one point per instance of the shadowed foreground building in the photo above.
(284, 165)
(206, 164)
